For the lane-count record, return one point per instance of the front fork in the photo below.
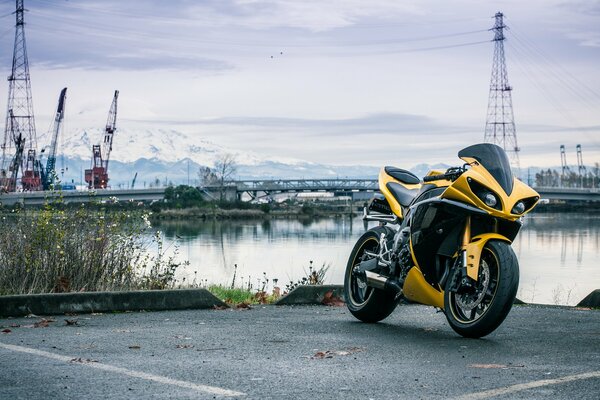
(471, 250)
(461, 282)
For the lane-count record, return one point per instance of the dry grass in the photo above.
(57, 249)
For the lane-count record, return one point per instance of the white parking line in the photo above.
(123, 371)
(530, 385)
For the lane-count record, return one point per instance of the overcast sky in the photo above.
(341, 82)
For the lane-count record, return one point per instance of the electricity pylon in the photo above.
(500, 122)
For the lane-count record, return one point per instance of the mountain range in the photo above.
(161, 156)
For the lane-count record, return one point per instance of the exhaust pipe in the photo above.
(381, 282)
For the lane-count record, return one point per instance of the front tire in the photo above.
(364, 302)
(478, 312)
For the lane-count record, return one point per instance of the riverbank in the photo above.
(289, 211)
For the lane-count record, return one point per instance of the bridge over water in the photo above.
(339, 186)
(258, 188)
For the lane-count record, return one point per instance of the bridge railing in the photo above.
(306, 184)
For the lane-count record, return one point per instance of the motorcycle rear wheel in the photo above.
(364, 302)
(479, 312)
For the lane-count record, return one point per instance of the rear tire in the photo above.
(366, 303)
(478, 313)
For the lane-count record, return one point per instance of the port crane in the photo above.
(10, 183)
(49, 176)
(97, 176)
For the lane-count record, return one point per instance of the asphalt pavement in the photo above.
(299, 352)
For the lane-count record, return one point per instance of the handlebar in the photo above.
(431, 178)
(451, 174)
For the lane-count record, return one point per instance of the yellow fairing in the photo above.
(384, 179)
(461, 191)
(417, 289)
(474, 250)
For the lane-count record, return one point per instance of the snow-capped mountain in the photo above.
(161, 156)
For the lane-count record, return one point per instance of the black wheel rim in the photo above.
(471, 306)
(359, 291)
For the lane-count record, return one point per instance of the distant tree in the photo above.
(222, 174)
(183, 196)
(225, 168)
(207, 176)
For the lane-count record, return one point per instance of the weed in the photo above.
(86, 248)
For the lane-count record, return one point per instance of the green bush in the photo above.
(183, 196)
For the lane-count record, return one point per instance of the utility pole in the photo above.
(500, 122)
(20, 105)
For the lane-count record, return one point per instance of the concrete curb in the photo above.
(310, 294)
(88, 302)
(313, 294)
(591, 300)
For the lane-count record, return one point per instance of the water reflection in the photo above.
(557, 252)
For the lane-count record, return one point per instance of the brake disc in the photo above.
(469, 301)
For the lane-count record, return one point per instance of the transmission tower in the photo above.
(20, 105)
(500, 122)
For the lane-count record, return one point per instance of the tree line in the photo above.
(554, 178)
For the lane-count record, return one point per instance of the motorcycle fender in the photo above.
(474, 250)
(417, 289)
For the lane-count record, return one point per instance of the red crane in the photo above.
(97, 176)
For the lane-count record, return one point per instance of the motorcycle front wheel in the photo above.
(364, 302)
(479, 310)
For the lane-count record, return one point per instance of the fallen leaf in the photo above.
(332, 353)
(583, 308)
(43, 323)
(15, 325)
(329, 299)
(6, 330)
(215, 307)
(135, 347)
(184, 346)
(71, 322)
(243, 306)
(322, 354)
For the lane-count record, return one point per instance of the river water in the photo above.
(558, 252)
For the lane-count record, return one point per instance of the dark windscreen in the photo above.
(494, 159)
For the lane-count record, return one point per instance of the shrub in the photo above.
(58, 249)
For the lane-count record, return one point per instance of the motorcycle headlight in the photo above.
(488, 197)
(490, 200)
(519, 208)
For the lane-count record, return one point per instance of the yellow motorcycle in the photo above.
(443, 242)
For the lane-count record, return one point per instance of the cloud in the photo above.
(312, 15)
(368, 124)
(586, 39)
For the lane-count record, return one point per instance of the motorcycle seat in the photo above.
(403, 195)
(402, 175)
